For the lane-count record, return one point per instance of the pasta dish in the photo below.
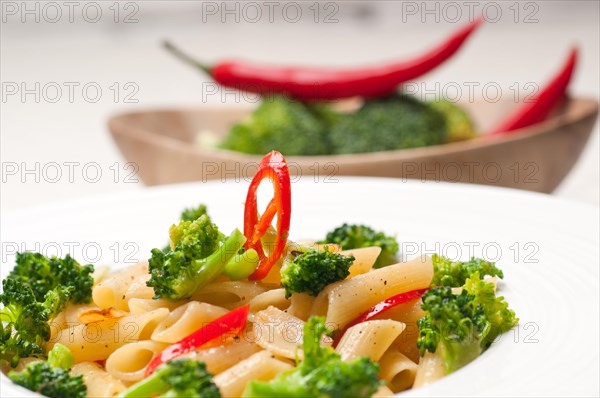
(249, 314)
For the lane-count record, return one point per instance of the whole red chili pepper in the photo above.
(540, 106)
(232, 322)
(306, 83)
(272, 166)
(379, 309)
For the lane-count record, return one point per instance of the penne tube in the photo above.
(278, 332)
(231, 294)
(96, 341)
(130, 361)
(430, 369)
(275, 298)
(343, 301)
(185, 320)
(301, 304)
(261, 366)
(112, 291)
(397, 370)
(364, 259)
(369, 339)
(221, 358)
(140, 305)
(99, 383)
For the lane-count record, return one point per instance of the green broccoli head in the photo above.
(500, 317)
(24, 323)
(385, 124)
(52, 378)
(311, 271)
(459, 125)
(198, 255)
(193, 213)
(461, 326)
(454, 325)
(454, 273)
(43, 274)
(354, 236)
(195, 239)
(322, 373)
(279, 123)
(178, 378)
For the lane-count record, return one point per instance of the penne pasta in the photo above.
(230, 294)
(140, 305)
(301, 304)
(345, 300)
(275, 298)
(261, 366)
(99, 383)
(430, 369)
(138, 289)
(369, 339)
(278, 332)
(364, 259)
(130, 361)
(221, 358)
(184, 320)
(96, 341)
(397, 370)
(112, 291)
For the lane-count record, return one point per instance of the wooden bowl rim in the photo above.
(119, 125)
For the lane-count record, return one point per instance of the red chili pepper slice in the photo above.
(540, 106)
(232, 322)
(272, 166)
(305, 83)
(379, 309)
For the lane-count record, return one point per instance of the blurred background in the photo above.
(66, 67)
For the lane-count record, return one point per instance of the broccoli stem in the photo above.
(242, 265)
(149, 387)
(60, 357)
(212, 266)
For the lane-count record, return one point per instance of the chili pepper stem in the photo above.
(186, 58)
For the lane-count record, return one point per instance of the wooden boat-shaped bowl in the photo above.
(163, 145)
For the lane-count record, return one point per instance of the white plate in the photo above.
(548, 249)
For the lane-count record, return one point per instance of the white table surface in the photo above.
(70, 136)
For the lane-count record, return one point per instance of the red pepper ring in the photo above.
(379, 309)
(234, 322)
(272, 166)
(265, 221)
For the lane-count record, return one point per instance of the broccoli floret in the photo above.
(291, 127)
(178, 378)
(193, 213)
(52, 378)
(459, 125)
(311, 271)
(385, 124)
(500, 317)
(198, 255)
(354, 236)
(322, 373)
(454, 273)
(461, 326)
(24, 323)
(43, 274)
